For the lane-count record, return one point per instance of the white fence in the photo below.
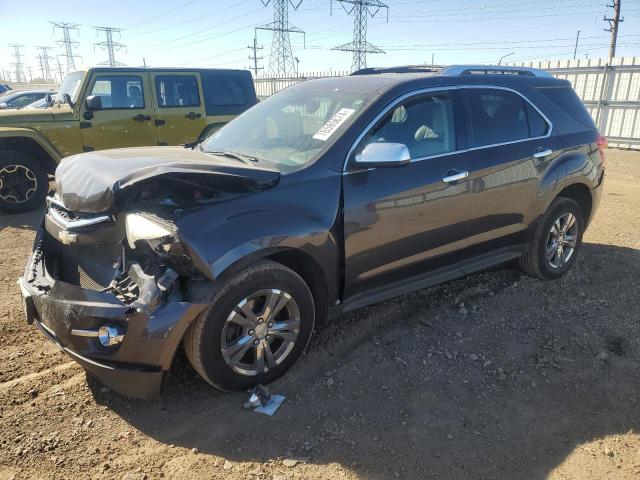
(611, 93)
(266, 86)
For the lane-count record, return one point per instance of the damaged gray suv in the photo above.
(328, 196)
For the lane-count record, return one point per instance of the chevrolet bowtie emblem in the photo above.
(66, 237)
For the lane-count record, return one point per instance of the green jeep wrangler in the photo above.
(112, 108)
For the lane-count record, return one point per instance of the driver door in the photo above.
(126, 118)
(403, 221)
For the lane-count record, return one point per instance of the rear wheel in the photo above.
(24, 182)
(556, 240)
(259, 323)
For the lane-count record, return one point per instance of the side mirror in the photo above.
(377, 155)
(93, 102)
(3, 105)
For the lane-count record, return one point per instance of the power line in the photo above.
(66, 41)
(17, 65)
(43, 58)
(255, 56)
(613, 27)
(360, 9)
(281, 60)
(109, 45)
(160, 15)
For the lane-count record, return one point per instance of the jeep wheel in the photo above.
(24, 182)
(259, 323)
(556, 241)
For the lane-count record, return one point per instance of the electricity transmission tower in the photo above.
(43, 58)
(613, 27)
(281, 62)
(17, 65)
(360, 9)
(255, 56)
(109, 45)
(67, 43)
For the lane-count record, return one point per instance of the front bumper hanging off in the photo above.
(136, 366)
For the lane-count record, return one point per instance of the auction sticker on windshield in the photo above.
(333, 124)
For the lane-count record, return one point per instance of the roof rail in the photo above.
(399, 69)
(460, 70)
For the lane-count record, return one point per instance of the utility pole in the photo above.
(17, 65)
(281, 58)
(30, 74)
(60, 69)
(67, 43)
(43, 57)
(613, 27)
(255, 57)
(109, 45)
(360, 9)
(575, 49)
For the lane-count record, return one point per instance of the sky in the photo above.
(216, 33)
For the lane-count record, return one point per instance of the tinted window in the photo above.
(496, 116)
(226, 90)
(177, 91)
(538, 126)
(424, 124)
(566, 99)
(119, 91)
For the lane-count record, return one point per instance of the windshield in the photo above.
(291, 127)
(71, 85)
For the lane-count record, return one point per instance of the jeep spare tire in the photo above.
(24, 182)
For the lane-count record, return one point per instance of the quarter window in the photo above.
(177, 91)
(226, 90)
(498, 116)
(119, 91)
(424, 124)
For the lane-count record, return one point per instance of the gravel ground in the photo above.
(493, 376)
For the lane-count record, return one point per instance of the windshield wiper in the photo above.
(235, 156)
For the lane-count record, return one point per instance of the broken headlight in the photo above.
(142, 227)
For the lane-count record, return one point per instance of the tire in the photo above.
(537, 261)
(216, 328)
(24, 182)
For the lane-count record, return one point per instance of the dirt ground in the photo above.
(493, 376)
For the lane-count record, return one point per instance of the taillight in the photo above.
(602, 145)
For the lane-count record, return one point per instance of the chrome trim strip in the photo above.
(71, 224)
(421, 91)
(84, 333)
(57, 202)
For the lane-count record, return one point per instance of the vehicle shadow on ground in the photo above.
(27, 221)
(406, 398)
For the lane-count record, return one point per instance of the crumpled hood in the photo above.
(91, 182)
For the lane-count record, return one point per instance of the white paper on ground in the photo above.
(271, 406)
(333, 124)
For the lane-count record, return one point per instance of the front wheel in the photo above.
(259, 323)
(24, 182)
(556, 241)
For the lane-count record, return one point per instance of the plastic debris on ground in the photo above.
(260, 401)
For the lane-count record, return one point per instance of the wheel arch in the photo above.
(581, 194)
(43, 153)
(300, 262)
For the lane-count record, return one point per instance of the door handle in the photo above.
(141, 118)
(455, 176)
(542, 153)
(193, 115)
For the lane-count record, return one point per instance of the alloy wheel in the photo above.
(562, 240)
(18, 184)
(260, 332)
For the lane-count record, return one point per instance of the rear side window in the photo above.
(226, 90)
(499, 116)
(177, 91)
(567, 100)
(119, 91)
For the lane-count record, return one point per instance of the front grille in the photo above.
(92, 266)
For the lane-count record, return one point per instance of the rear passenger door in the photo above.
(180, 113)
(504, 132)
